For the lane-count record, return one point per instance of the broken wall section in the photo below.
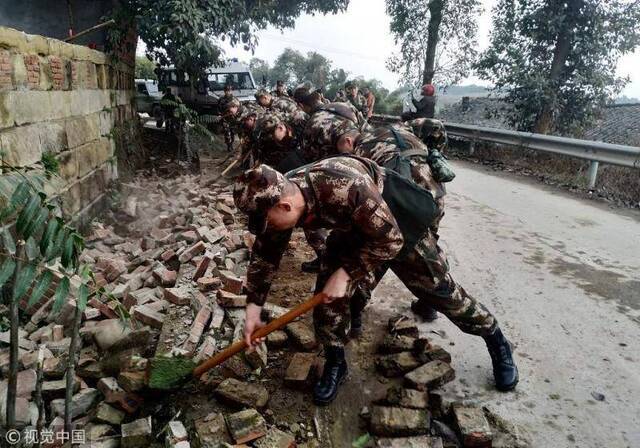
(64, 102)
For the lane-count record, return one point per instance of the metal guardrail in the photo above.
(593, 151)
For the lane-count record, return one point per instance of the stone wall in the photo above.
(65, 101)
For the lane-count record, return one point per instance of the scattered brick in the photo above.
(81, 403)
(232, 283)
(211, 430)
(407, 398)
(300, 371)
(208, 283)
(276, 439)
(194, 250)
(165, 276)
(396, 364)
(148, 316)
(136, 434)
(230, 300)
(402, 325)
(197, 328)
(203, 265)
(277, 339)
(430, 376)
(473, 427)
(246, 426)
(240, 393)
(395, 421)
(302, 334)
(108, 414)
(178, 296)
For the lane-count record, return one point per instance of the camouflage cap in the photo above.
(248, 110)
(267, 124)
(261, 93)
(350, 84)
(255, 192)
(301, 92)
(342, 128)
(225, 105)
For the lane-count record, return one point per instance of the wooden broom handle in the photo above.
(275, 324)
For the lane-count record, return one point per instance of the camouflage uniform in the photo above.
(365, 240)
(229, 123)
(324, 124)
(431, 131)
(381, 147)
(360, 103)
(275, 154)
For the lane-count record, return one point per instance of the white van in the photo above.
(203, 96)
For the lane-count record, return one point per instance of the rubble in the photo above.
(246, 426)
(276, 438)
(81, 403)
(302, 334)
(299, 373)
(473, 427)
(430, 375)
(211, 431)
(108, 414)
(136, 434)
(242, 393)
(397, 421)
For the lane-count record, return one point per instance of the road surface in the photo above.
(563, 277)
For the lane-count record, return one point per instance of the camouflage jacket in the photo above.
(284, 104)
(360, 103)
(342, 197)
(319, 135)
(431, 131)
(382, 147)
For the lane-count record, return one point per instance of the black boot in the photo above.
(356, 324)
(427, 313)
(334, 374)
(312, 267)
(505, 371)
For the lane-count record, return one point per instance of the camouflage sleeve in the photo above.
(228, 135)
(381, 234)
(364, 107)
(266, 254)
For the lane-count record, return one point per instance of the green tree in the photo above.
(145, 68)
(261, 71)
(186, 33)
(289, 67)
(557, 61)
(437, 39)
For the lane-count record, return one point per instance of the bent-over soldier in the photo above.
(354, 198)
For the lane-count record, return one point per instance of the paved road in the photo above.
(563, 277)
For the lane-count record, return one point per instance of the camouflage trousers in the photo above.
(424, 271)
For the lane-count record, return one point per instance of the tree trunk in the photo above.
(544, 121)
(38, 392)
(12, 385)
(435, 12)
(71, 368)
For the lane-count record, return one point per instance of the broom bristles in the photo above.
(169, 372)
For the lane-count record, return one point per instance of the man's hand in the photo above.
(252, 322)
(336, 286)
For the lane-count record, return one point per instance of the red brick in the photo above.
(299, 374)
(178, 296)
(202, 266)
(230, 300)
(148, 316)
(208, 283)
(165, 276)
(194, 250)
(197, 328)
(232, 283)
(104, 309)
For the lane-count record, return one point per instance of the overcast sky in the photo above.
(359, 41)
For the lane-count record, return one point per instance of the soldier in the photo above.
(247, 119)
(278, 145)
(281, 104)
(354, 198)
(229, 110)
(356, 98)
(280, 90)
(431, 131)
(370, 98)
(318, 136)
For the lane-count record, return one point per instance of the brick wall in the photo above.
(64, 100)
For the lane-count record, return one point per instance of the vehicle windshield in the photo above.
(238, 81)
(152, 87)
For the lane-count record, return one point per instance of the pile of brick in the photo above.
(414, 413)
(178, 276)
